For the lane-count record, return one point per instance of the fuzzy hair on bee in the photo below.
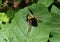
(32, 20)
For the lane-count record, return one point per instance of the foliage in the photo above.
(3, 17)
(17, 30)
(0, 2)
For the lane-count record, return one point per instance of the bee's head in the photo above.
(29, 16)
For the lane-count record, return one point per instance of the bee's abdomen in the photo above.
(34, 22)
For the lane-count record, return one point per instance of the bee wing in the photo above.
(29, 25)
(39, 18)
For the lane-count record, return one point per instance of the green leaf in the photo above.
(10, 13)
(55, 16)
(56, 34)
(55, 20)
(46, 2)
(59, 0)
(17, 31)
(0, 2)
(55, 10)
(3, 17)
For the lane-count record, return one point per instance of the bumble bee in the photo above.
(32, 21)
